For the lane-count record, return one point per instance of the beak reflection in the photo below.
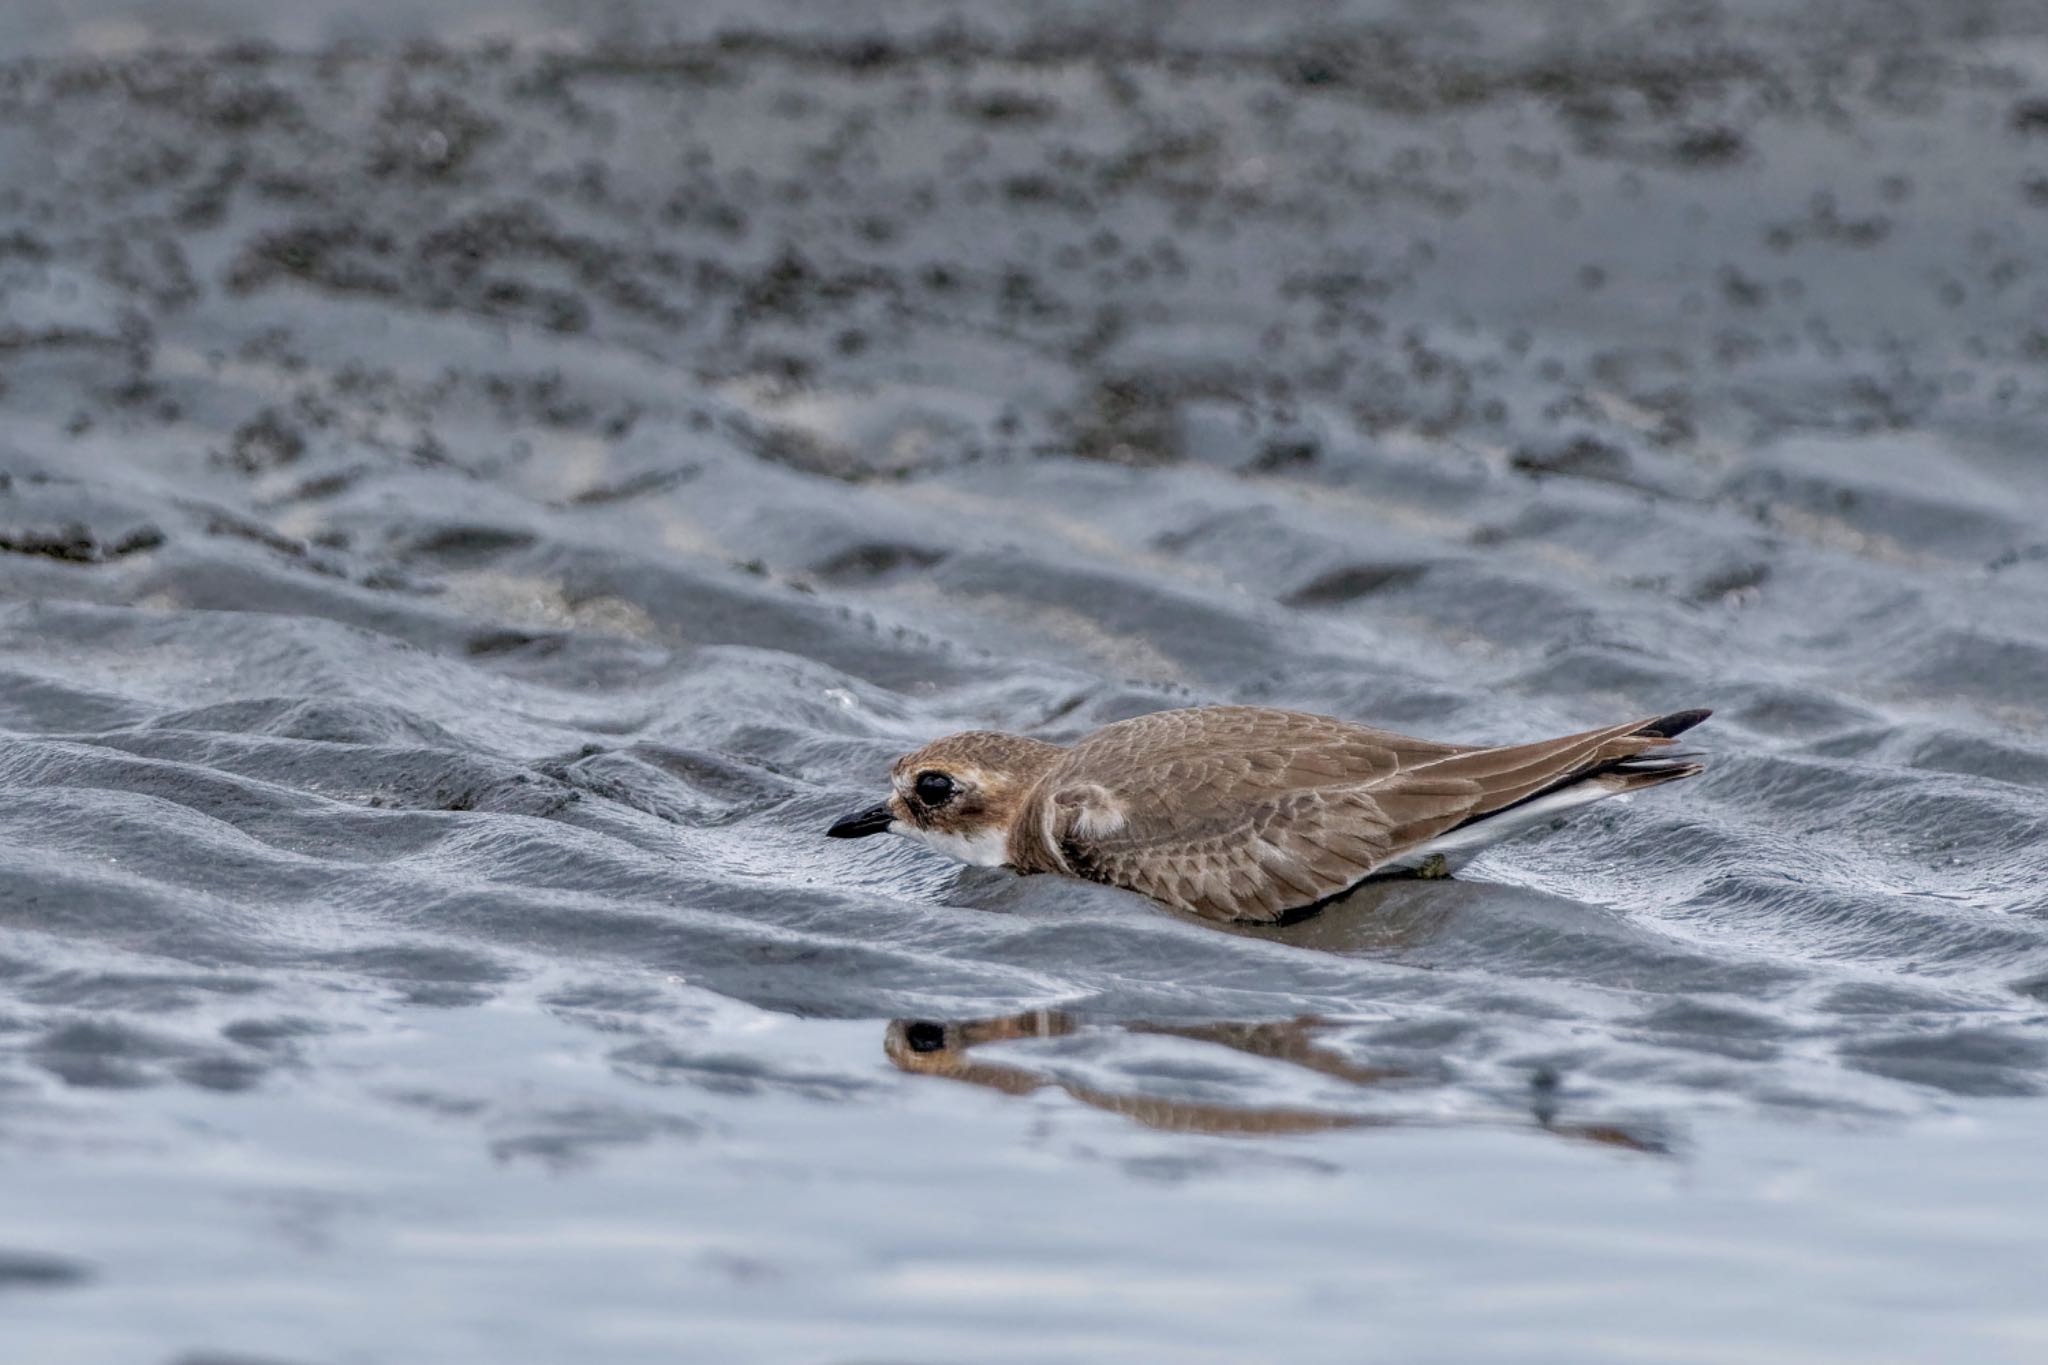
(873, 820)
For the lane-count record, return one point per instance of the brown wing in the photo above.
(1248, 813)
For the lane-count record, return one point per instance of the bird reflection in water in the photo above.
(931, 1048)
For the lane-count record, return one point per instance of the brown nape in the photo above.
(1015, 757)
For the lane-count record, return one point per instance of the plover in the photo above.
(1248, 812)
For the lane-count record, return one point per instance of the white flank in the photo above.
(1098, 818)
(986, 848)
(1461, 844)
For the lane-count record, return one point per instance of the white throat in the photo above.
(985, 848)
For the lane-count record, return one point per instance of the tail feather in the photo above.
(1620, 779)
(1581, 769)
(1677, 723)
(1657, 762)
(1642, 765)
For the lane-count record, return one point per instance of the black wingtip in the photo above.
(1677, 723)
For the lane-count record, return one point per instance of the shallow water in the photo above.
(474, 511)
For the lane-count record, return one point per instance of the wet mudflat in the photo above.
(476, 502)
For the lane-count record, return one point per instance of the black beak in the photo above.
(873, 820)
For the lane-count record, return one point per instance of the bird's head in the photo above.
(958, 794)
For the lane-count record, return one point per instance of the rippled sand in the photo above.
(473, 512)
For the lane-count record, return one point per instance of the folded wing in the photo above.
(1248, 813)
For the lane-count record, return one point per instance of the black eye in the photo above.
(934, 789)
(925, 1036)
